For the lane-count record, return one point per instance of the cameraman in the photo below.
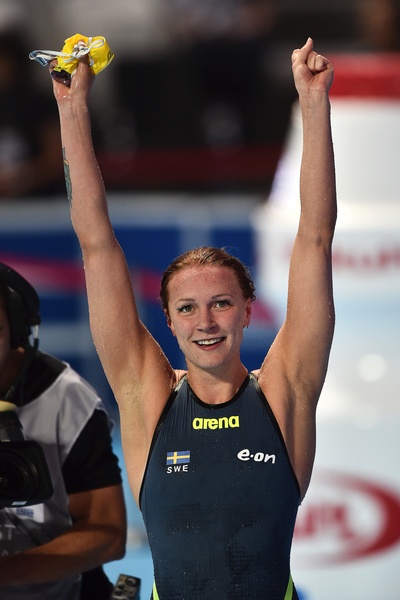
(54, 550)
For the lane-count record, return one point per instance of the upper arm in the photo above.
(307, 333)
(136, 368)
(298, 358)
(294, 370)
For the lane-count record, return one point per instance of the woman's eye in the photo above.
(185, 309)
(222, 303)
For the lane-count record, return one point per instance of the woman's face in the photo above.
(207, 313)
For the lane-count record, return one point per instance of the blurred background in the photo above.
(196, 129)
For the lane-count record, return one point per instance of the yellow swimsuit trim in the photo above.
(288, 595)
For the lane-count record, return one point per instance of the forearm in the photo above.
(317, 177)
(84, 183)
(79, 549)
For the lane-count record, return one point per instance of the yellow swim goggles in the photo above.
(96, 48)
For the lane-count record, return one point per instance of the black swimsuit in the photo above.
(219, 499)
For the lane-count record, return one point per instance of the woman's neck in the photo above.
(211, 388)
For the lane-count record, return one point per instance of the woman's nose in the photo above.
(206, 320)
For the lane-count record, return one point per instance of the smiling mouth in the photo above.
(209, 342)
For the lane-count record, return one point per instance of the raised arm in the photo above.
(137, 370)
(295, 368)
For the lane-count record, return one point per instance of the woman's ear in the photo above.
(169, 322)
(248, 313)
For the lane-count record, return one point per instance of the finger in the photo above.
(52, 64)
(302, 53)
(57, 75)
(321, 62)
(61, 77)
(317, 63)
(83, 71)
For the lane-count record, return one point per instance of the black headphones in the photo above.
(23, 306)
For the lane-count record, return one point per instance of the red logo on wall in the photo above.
(345, 518)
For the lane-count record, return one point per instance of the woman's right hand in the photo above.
(80, 84)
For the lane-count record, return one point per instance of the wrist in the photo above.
(314, 103)
(75, 109)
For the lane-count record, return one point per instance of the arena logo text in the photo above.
(221, 423)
